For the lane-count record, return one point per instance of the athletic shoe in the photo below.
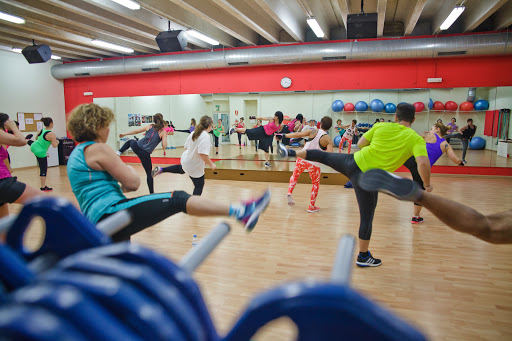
(46, 189)
(156, 171)
(28, 137)
(368, 260)
(118, 153)
(253, 209)
(464, 161)
(267, 164)
(281, 150)
(231, 131)
(417, 220)
(382, 181)
(312, 209)
(461, 163)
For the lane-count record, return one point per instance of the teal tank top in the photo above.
(40, 145)
(96, 191)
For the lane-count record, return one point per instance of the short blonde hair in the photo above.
(85, 120)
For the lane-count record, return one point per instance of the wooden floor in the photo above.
(480, 158)
(450, 285)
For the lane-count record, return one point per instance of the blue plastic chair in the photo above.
(21, 322)
(14, 272)
(322, 312)
(138, 312)
(78, 310)
(175, 275)
(144, 279)
(67, 230)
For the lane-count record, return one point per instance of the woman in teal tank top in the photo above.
(39, 147)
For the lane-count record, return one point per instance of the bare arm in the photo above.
(53, 139)
(363, 142)
(424, 171)
(208, 161)
(326, 141)
(301, 134)
(15, 139)
(135, 131)
(101, 157)
(450, 153)
(265, 118)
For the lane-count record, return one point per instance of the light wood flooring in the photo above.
(450, 285)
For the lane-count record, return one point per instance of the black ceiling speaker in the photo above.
(172, 41)
(37, 53)
(363, 25)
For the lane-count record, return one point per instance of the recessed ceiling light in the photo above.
(128, 3)
(112, 46)
(11, 18)
(202, 37)
(55, 57)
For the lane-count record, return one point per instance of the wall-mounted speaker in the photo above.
(363, 25)
(172, 41)
(37, 53)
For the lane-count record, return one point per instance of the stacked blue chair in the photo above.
(91, 289)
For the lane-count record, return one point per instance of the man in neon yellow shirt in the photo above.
(386, 146)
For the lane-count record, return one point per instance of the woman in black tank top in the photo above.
(467, 134)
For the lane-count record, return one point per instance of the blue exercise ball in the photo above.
(337, 105)
(477, 143)
(337, 140)
(390, 108)
(377, 105)
(430, 104)
(481, 104)
(361, 106)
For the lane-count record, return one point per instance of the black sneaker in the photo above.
(368, 260)
(267, 164)
(416, 220)
(281, 150)
(382, 181)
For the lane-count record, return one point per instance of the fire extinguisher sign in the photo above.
(236, 112)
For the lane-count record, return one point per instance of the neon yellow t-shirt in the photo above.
(391, 144)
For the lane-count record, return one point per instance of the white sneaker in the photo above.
(267, 164)
(118, 153)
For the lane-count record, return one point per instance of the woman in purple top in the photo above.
(452, 129)
(436, 147)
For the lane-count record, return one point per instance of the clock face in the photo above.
(286, 82)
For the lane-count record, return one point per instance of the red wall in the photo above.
(380, 74)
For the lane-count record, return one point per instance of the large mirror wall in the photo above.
(180, 109)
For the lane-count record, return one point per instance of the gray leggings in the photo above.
(345, 164)
(464, 140)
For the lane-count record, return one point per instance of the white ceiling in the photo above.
(69, 26)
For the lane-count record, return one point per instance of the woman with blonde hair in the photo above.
(154, 134)
(196, 155)
(98, 179)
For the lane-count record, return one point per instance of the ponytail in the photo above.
(46, 121)
(159, 122)
(204, 123)
(442, 129)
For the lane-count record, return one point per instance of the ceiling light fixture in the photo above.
(202, 37)
(55, 57)
(11, 18)
(456, 12)
(128, 3)
(112, 46)
(16, 49)
(315, 27)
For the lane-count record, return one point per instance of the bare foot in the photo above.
(290, 200)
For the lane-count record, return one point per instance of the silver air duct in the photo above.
(432, 47)
(471, 95)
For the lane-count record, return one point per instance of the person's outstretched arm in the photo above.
(451, 154)
(208, 161)
(300, 134)
(424, 171)
(135, 131)
(15, 139)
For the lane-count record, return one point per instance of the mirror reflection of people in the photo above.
(218, 130)
(350, 131)
(259, 123)
(465, 135)
(239, 124)
(190, 129)
(439, 121)
(45, 138)
(382, 120)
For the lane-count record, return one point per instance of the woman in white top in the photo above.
(350, 130)
(196, 155)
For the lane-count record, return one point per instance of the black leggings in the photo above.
(148, 210)
(198, 182)
(345, 164)
(43, 165)
(412, 166)
(239, 138)
(145, 159)
(216, 140)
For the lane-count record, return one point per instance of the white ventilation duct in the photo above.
(431, 47)
(471, 95)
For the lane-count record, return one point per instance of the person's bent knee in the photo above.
(180, 199)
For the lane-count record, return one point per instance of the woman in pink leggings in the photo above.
(315, 139)
(350, 130)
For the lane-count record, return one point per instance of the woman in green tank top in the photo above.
(40, 146)
(218, 130)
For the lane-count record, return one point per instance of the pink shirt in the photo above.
(270, 128)
(4, 172)
(168, 129)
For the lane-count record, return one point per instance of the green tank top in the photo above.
(217, 131)
(40, 146)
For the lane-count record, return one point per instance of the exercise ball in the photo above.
(430, 104)
(451, 106)
(477, 143)
(377, 105)
(466, 106)
(438, 105)
(419, 106)
(481, 104)
(337, 141)
(337, 105)
(349, 107)
(390, 108)
(361, 106)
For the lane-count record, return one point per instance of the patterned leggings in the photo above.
(314, 172)
(343, 139)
